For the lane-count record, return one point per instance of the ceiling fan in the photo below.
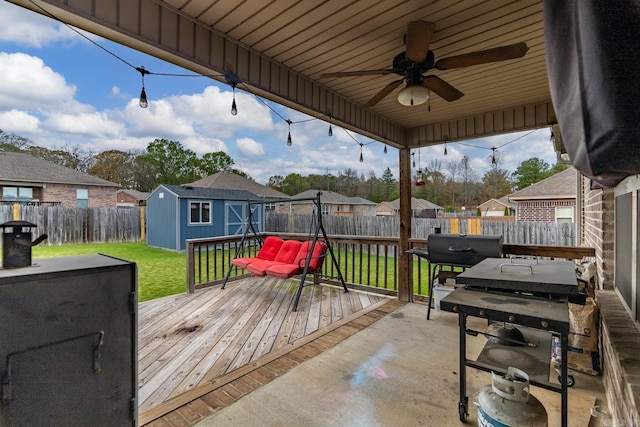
(418, 59)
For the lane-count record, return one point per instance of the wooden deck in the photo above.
(189, 345)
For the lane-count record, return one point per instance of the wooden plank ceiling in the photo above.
(279, 49)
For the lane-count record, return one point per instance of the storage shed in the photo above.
(179, 212)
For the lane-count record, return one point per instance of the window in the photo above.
(200, 212)
(564, 214)
(17, 193)
(325, 209)
(269, 206)
(82, 198)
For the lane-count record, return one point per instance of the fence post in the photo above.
(191, 271)
(142, 228)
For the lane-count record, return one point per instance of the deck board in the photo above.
(192, 342)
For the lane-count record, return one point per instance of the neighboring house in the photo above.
(550, 200)
(131, 198)
(420, 208)
(28, 179)
(496, 207)
(179, 212)
(232, 181)
(332, 203)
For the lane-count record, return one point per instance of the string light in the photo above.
(234, 107)
(330, 129)
(144, 103)
(385, 149)
(361, 157)
(493, 156)
(445, 148)
(289, 142)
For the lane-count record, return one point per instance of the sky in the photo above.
(61, 90)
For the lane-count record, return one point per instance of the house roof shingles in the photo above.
(138, 195)
(192, 192)
(234, 181)
(24, 168)
(331, 197)
(559, 186)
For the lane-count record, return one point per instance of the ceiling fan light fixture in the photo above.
(413, 95)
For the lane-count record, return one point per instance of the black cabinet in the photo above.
(68, 342)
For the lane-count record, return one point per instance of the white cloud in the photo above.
(202, 145)
(93, 124)
(18, 122)
(250, 147)
(28, 28)
(28, 83)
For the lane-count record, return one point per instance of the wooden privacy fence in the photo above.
(79, 225)
(522, 233)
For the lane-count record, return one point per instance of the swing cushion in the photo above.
(269, 250)
(286, 255)
(285, 271)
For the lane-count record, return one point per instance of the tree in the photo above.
(115, 166)
(391, 191)
(13, 142)
(495, 184)
(276, 182)
(211, 163)
(469, 177)
(530, 171)
(294, 183)
(173, 163)
(74, 157)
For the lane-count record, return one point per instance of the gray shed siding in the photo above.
(162, 219)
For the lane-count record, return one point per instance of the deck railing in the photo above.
(364, 262)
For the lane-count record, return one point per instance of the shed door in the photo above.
(237, 216)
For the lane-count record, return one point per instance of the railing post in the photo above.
(191, 270)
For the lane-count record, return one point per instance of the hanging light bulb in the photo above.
(385, 149)
(445, 148)
(234, 108)
(330, 130)
(361, 157)
(144, 103)
(413, 162)
(494, 161)
(289, 142)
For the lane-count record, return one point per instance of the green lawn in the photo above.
(160, 272)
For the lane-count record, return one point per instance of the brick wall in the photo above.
(127, 198)
(597, 229)
(99, 197)
(620, 344)
(541, 210)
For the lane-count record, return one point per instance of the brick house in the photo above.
(550, 200)
(28, 179)
(496, 207)
(333, 203)
(420, 208)
(131, 198)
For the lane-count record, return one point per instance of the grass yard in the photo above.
(160, 272)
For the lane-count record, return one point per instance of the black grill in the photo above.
(462, 250)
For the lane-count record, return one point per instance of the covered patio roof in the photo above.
(279, 50)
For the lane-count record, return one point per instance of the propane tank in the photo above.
(508, 402)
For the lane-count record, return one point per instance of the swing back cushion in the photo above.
(268, 252)
(286, 255)
(285, 271)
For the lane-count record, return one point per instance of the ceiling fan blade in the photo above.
(355, 73)
(441, 88)
(483, 56)
(384, 92)
(419, 35)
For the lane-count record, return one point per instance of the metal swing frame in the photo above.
(249, 228)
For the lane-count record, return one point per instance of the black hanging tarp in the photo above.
(593, 63)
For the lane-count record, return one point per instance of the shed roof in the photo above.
(562, 185)
(415, 204)
(233, 181)
(189, 191)
(25, 168)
